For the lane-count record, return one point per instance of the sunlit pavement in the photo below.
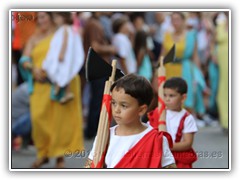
(210, 143)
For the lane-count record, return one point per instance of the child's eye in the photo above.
(113, 103)
(124, 106)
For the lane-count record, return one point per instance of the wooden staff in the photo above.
(161, 104)
(104, 123)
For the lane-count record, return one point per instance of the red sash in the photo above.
(184, 159)
(153, 117)
(147, 153)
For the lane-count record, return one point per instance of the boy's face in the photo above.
(173, 100)
(125, 108)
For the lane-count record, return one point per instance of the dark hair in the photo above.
(50, 14)
(136, 86)
(140, 41)
(134, 15)
(180, 14)
(177, 84)
(67, 17)
(118, 23)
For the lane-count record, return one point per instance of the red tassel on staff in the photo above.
(104, 123)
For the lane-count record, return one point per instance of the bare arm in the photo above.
(64, 45)
(27, 52)
(196, 59)
(95, 36)
(103, 49)
(140, 57)
(185, 144)
(122, 62)
(38, 73)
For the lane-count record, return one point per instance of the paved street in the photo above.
(211, 145)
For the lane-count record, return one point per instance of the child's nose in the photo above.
(117, 109)
(165, 98)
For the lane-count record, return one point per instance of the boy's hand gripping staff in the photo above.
(161, 79)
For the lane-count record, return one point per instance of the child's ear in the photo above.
(184, 96)
(142, 109)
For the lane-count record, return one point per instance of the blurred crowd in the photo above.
(137, 40)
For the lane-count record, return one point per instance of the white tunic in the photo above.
(173, 119)
(120, 145)
(125, 50)
(63, 72)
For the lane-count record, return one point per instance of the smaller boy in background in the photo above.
(180, 123)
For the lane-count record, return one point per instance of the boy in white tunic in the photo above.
(134, 144)
(179, 122)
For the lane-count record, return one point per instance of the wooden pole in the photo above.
(104, 123)
(161, 105)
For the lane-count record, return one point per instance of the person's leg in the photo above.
(67, 89)
(214, 79)
(60, 162)
(68, 95)
(17, 143)
(22, 126)
(56, 89)
(200, 109)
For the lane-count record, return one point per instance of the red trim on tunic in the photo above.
(147, 153)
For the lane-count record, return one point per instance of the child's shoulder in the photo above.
(186, 111)
(188, 114)
(180, 114)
